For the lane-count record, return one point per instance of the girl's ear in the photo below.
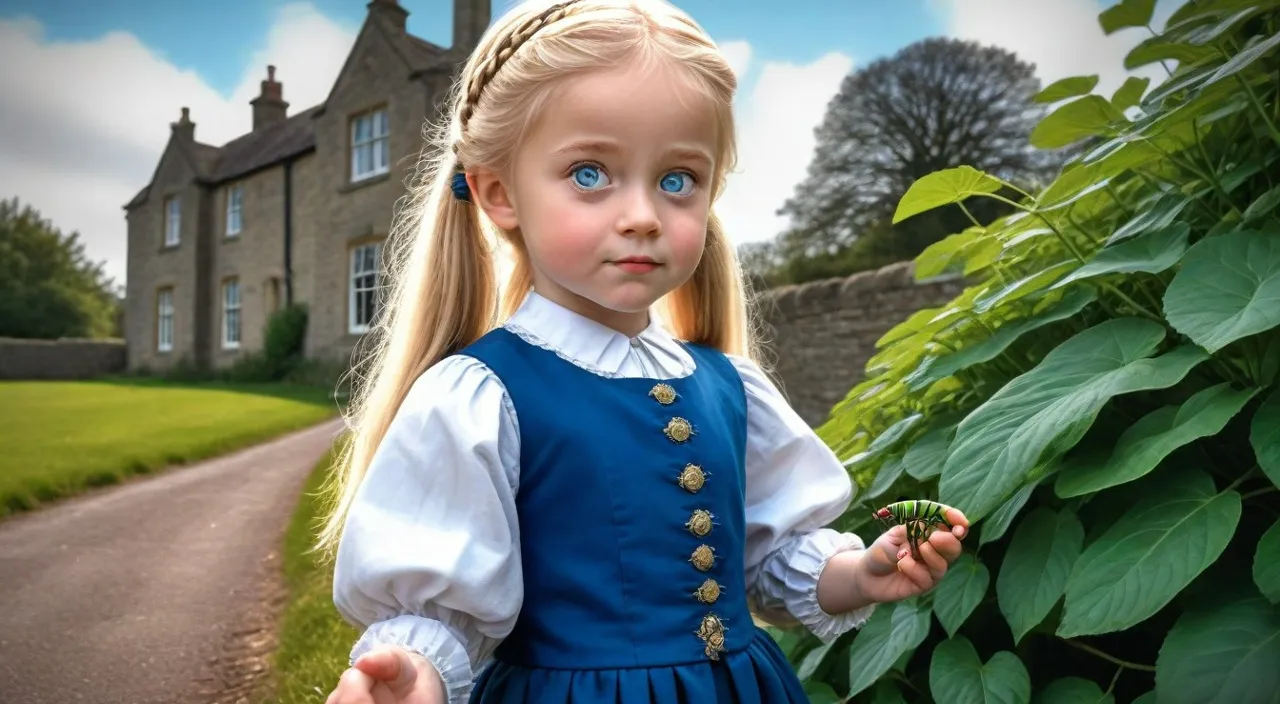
(490, 192)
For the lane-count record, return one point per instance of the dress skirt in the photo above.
(756, 674)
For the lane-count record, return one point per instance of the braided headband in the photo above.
(510, 44)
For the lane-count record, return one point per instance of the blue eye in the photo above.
(676, 182)
(588, 176)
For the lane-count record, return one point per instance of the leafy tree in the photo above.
(48, 287)
(1103, 403)
(935, 104)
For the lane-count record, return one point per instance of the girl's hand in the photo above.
(890, 573)
(389, 675)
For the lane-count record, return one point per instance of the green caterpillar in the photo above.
(919, 517)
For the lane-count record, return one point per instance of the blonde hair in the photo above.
(443, 289)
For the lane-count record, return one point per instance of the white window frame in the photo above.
(164, 320)
(172, 221)
(370, 145)
(232, 322)
(235, 209)
(357, 283)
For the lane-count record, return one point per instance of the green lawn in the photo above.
(314, 640)
(60, 438)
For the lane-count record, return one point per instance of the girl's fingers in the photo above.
(933, 561)
(354, 687)
(947, 545)
(916, 572)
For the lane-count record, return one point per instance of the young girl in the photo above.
(587, 503)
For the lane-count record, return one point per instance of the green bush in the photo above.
(1101, 402)
(284, 338)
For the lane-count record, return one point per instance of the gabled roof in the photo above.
(276, 142)
(263, 147)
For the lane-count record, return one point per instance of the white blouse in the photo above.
(430, 556)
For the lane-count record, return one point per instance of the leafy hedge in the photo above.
(1101, 402)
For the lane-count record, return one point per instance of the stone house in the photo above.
(294, 211)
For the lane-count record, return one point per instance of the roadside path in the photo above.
(161, 590)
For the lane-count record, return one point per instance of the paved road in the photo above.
(145, 592)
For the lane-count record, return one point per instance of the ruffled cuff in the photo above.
(430, 639)
(792, 579)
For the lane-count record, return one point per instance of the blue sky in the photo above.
(229, 31)
(98, 82)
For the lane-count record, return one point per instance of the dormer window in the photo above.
(370, 151)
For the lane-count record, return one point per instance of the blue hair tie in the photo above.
(461, 190)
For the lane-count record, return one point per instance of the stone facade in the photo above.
(310, 191)
(820, 334)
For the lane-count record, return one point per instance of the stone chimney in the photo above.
(184, 128)
(270, 105)
(470, 19)
(390, 13)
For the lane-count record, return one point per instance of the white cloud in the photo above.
(776, 119)
(1061, 37)
(93, 116)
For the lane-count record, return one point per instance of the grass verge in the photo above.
(61, 438)
(313, 638)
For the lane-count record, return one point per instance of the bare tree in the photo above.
(936, 104)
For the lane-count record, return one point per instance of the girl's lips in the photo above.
(636, 265)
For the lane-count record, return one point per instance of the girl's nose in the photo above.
(639, 215)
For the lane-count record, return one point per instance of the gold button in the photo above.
(712, 634)
(703, 557)
(692, 478)
(663, 393)
(678, 430)
(699, 523)
(708, 592)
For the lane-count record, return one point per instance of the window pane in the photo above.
(380, 118)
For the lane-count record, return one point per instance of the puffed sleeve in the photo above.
(429, 558)
(795, 486)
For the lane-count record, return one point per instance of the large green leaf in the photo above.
(944, 256)
(1028, 285)
(1228, 288)
(1145, 443)
(925, 457)
(1156, 548)
(1044, 412)
(813, 660)
(888, 473)
(1064, 88)
(893, 629)
(1264, 435)
(1263, 206)
(958, 676)
(1222, 655)
(1255, 48)
(1126, 13)
(960, 591)
(1152, 253)
(1155, 213)
(885, 441)
(1266, 564)
(821, 693)
(934, 369)
(1083, 117)
(1129, 93)
(944, 188)
(1036, 567)
(1000, 519)
(1074, 690)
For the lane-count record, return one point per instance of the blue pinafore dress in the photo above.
(631, 505)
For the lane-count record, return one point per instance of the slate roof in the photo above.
(293, 136)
